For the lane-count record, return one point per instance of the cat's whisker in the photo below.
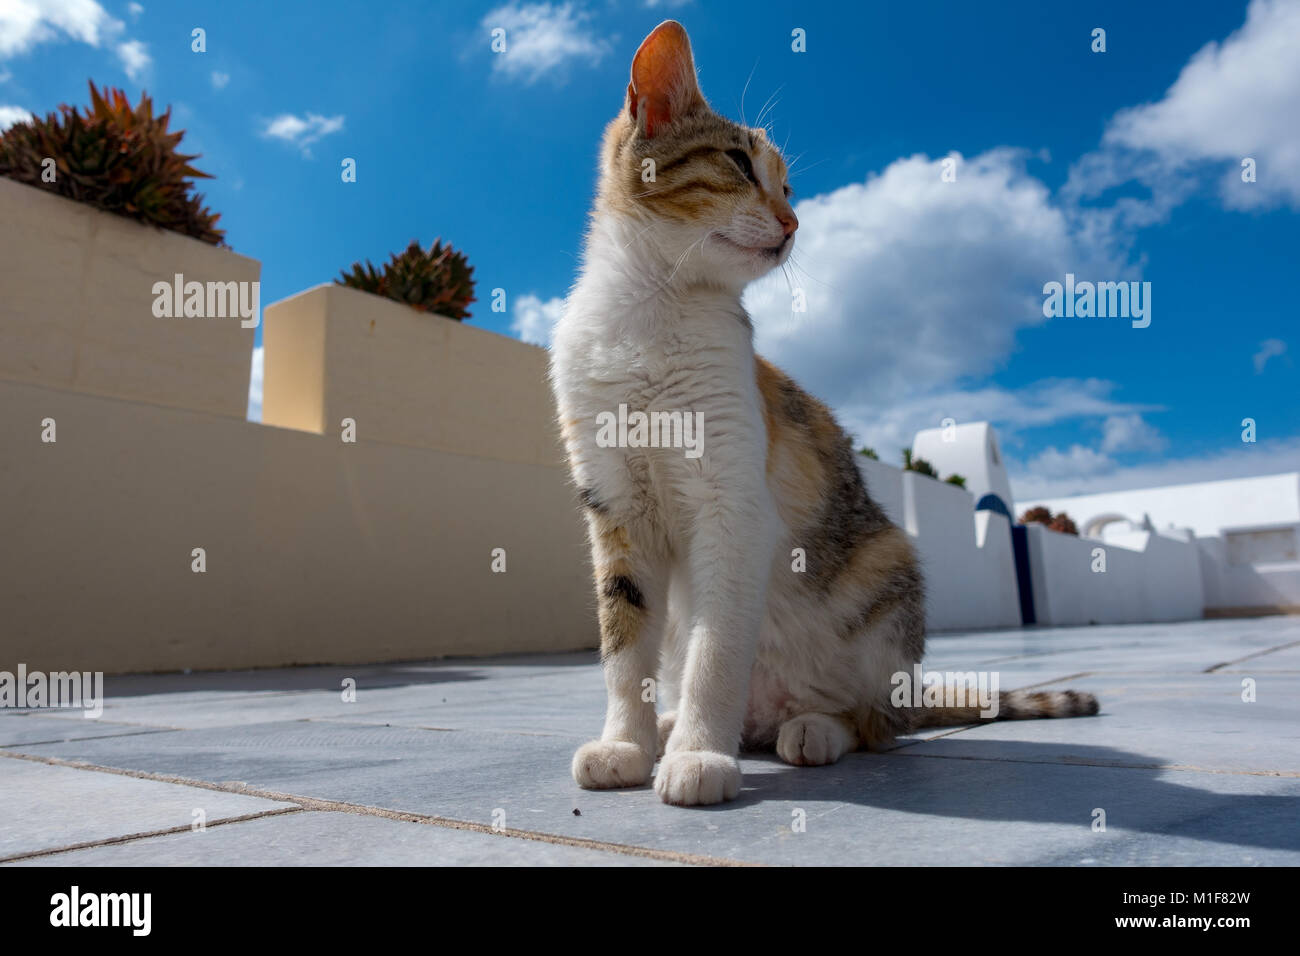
(682, 258)
(794, 264)
(814, 165)
(768, 105)
(746, 90)
(623, 248)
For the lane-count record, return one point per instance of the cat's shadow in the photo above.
(1033, 782)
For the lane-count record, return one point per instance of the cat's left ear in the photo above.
(663, 83)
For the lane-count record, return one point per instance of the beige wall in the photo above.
(77, 307)
(405, 377)
(317, 550)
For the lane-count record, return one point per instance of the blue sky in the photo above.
(924, 296)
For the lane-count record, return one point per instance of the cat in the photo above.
(697, 599)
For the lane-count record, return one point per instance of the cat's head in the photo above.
(706, 195)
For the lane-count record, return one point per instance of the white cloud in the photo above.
(535, 319)
(1269, 348)
(915, 286)
(219, 80)
(1232, 100)
(890, 426)
(13, 114)
(135, 58)
(1075, 462)
(26, 24)
(1130, 433)
(543, 37)
(302, 131)
(135, 9)
(1029, 484)
(255, 387)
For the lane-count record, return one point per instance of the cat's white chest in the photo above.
(685, 368)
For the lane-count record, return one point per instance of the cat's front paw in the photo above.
(690, 778)
(608, 764)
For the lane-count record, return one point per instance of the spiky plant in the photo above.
(440, 280)
(866, 451)
(918, 465)
(958, 480)
(121, 159)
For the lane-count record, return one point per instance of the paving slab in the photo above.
(325, 838)
(222, 699)
(46, 807)
(31, 727)
(1197, 721)
(869, 808)
(1185, 771)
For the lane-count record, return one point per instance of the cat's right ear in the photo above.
(663, 83)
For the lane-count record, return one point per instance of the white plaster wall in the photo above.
(1155, 577)
(966, 555)
(1206, 507)
(1269, 586)
(970, 450)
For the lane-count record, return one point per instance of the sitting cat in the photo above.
(692, 554)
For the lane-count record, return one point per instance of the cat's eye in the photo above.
(788, 192)
(741, 159)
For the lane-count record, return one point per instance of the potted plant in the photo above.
(387, 348)
(118, 282)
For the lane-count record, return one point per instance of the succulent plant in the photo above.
(958, 480)
(440, 280)
(918, 465)
(1063, 523)
(867, 451)
(1060, 521)
(114, 157)
(1038, 515)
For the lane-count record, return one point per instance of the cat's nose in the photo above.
(789, 222)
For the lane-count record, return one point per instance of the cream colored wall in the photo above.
(77, 307)
(317, 551)
(405, 377)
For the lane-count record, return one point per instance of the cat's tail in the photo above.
(1011, 705)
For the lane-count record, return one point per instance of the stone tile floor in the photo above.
(467, 762)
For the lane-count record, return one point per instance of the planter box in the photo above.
(405, 377)
(77, 307)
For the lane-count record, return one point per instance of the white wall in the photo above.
(970, 450)
(1233, 582)
(966, 555)
(1155, 577)
(1206, 507)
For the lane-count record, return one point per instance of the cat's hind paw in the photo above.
(689, 778)
(812, 740)
(608, 764)
(666, 723)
